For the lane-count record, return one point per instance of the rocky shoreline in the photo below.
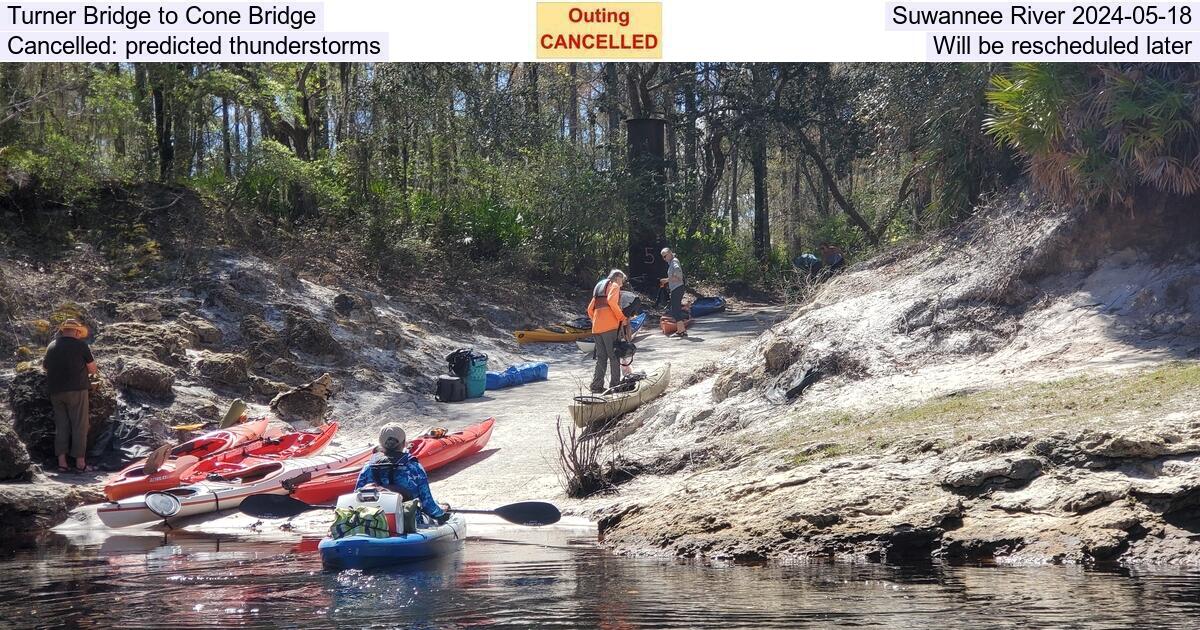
(32, 508)
(1085, 497)
(1037, 411)
(299, 345)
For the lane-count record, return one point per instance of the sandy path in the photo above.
(520, 462)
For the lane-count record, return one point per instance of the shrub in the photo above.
(1099, 133)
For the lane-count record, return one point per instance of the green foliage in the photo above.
(391, 251)
(1029, 103)
(713, 254)
(61, 170)
(710, 252)
(1100, 133)
(933, 114)
(132, 251)
(518, 167)
(282, 185)
(838, 230)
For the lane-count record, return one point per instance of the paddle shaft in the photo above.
(281, 506)
(452, 510)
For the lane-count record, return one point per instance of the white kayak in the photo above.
(223, 494)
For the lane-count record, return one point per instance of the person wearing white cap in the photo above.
(395, 469)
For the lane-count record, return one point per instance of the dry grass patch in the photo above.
(1095, 401)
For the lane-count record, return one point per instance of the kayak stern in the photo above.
(365, 552)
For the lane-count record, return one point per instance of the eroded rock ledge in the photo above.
(1068, 497)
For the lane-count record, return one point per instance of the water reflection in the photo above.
(550, 579)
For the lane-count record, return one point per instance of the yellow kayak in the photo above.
(555, 333)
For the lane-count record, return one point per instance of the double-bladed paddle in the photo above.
(281, 506)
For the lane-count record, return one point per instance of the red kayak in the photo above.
(432, 452)
(435, 452)
(234, 463)
(133, 480)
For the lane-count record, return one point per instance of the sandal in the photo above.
(64, 469)
(86, 469)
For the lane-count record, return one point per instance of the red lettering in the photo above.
(602, 41)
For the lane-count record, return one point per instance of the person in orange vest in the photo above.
(607, 322)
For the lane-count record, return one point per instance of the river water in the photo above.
(542, 579)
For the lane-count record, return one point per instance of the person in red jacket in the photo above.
(607, 321)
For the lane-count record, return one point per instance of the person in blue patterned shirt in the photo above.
(395, 469)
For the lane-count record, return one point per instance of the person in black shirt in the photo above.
(68, 363)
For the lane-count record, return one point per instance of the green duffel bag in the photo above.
(364, 520)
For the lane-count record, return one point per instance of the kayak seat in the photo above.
(254, 473)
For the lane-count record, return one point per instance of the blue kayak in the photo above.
(707, 306)
(365, 552)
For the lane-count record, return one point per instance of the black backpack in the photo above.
(450, 389)
(460, 362)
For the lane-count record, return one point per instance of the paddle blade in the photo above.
(529, 513)
(236, 409)
(276, 506)
(155, 460)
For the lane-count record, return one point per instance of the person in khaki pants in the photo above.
(608, 321)
(68, 363)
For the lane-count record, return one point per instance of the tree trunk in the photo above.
(831, 183)
(762, 216)
(573, 102)
(793, 210)
(690, 139)
(631, 86)
(714, 169)
(162, 133)
(320, 123)
(820, 193)
(733, 193)
(249, 114)
(303, 134)
(237, 139)
(343, 116)
(145, 108)
(612, 104)
(533, 102)
(226, 147)
(181, 124)
(198, 140)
